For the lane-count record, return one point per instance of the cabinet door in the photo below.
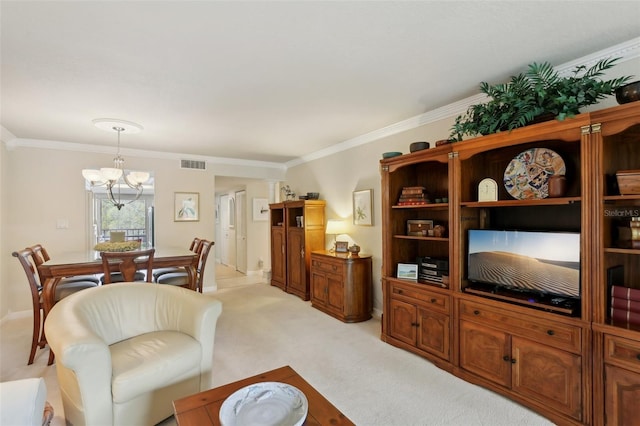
(548, 375)
(402, 325)
(296, 269)
(318, 288)
(433, 333)
(622, 396)
(335, 293)
(485, 352)
(278, 258)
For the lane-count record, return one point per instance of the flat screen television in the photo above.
(545, 263)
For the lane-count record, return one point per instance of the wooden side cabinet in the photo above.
(297, 228)
(341, 285)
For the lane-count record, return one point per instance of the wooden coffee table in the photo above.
(203, 408)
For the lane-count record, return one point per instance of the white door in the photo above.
(224, 227)
(241, 231)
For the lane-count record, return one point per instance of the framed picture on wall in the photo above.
(186, 207)
(363, 207)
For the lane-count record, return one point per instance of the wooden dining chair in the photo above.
(182, 278)
(129, 263)
(194, 247)
(40, 255)
(63, 289)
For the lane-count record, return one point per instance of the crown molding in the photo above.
(101, 149)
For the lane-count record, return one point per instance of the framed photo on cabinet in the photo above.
(342, 246)
(186, 207)
(408, 271)
(363, 207)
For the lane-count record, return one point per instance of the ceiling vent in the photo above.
(193, 164)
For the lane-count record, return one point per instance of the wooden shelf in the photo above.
(621, 197)
(622, 250)
(523, 203)
(424, 206)
(415, 237)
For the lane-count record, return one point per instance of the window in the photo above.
(133, 219)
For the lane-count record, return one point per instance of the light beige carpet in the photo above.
(372, 383)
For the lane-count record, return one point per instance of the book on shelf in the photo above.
(625, 304)
(413, 189)
(622, 316)
(413, 195)
(621, 292)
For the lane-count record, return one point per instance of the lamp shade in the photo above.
(111, 173)
(138, 177)
(335, 227)
(92, 175)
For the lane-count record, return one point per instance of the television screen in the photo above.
(540, 262)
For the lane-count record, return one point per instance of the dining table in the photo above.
(70, 264)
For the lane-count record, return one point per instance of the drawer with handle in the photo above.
(552, 333)
(326, 266)
(427, 298)
(622, 352)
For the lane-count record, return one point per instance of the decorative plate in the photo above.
(265, 404)
(527, 175)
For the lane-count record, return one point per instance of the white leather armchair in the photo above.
(125, 351)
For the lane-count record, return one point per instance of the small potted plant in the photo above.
(540, 92)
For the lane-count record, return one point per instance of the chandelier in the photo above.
(115, 178)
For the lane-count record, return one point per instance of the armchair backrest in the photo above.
(130, 262)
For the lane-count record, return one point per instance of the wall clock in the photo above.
(487, 190)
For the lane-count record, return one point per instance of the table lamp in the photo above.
(335, 228)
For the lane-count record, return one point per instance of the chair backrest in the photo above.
(204, 249)
(130, 262)
(25, 258)
(39, 255)
(195, 244)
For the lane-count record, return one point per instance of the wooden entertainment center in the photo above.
(572, 364)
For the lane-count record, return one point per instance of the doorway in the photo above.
(241, 231)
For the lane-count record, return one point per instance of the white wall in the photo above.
(337, 176)
(258, 246)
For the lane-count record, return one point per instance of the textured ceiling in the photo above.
(272, 81)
